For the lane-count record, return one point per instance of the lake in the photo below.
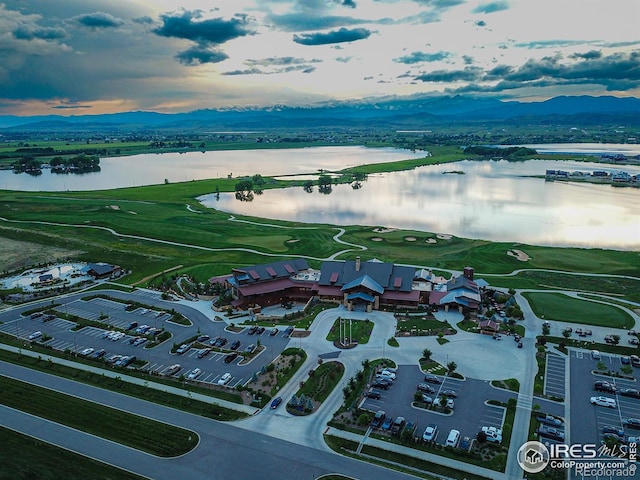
(153, 169)
(491, 200)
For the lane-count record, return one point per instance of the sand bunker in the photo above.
(113, 207)
(410, 239)
(519, 255)
(376, 239)
(384, 230)
(444, 236)
(293, 240)
(431, 240)
(132, 212)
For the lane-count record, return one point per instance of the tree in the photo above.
(566, 333)
(308, 186)
(324, 184)
(615, 339)
(451, 367)
(244, 190)
(426, 354)
(546, 329)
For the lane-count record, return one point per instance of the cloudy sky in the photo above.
(73, 57)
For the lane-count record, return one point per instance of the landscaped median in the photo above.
(24, 457)
(134, 431)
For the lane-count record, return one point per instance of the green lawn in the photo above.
(355, 330)
(137, 432)
(557, 306)
(25, 458)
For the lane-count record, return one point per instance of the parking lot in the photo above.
(95, 342)
(470, 412)
(587, 420)
(554, 379)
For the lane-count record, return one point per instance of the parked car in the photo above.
(173, 369)
(613, 429)
(430, 432)
(448, 402)
(493, 434)
(452, 438)
(427, 399)
(204, 352)
(274, 331)
(235, 345)
(633, 341)
(632, 332)
(378, 419)
(260, 330)
(388, 373)
(450, 393)
(430, 378)
(631, 423)
(193, 374)
(203, 338)
(86, 352)
(550, 420)
(629, 392)
(465, 443)
(375, 394)
(386, 425)
(551, 432)
(381, 383)
(276, 402)
(99, 353)
(250, 348)
(635, 360)
(624, 360)
(184, 348)
(132, 325)
(604, 386)
(230, 357)
(595, 355)
(139, 341)
(224, 379)
(35, 335)
(398, 425)
(604, 402)
(252, 330)
(425, 387)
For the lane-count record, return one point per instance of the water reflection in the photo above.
(154, 169)
(492, 200)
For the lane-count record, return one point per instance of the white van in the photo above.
(452, 439)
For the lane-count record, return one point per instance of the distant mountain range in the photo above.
(399, 112)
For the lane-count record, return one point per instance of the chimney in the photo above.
(468, 272)
(357, 264)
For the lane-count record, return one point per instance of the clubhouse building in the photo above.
(357, 285)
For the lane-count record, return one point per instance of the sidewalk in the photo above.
(429, 457)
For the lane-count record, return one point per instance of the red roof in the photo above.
(289, 268)
(413, 295)
(271, 271)
(266, 287)
(397, 282)
(254, 274)
(334, 277)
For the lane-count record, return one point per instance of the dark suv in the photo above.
(602, 386)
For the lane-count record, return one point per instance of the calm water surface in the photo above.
(153, 169)
(492, 200)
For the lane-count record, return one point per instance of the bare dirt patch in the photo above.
(16, 254)
(519, 255)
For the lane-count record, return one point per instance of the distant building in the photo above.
(101, 270)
